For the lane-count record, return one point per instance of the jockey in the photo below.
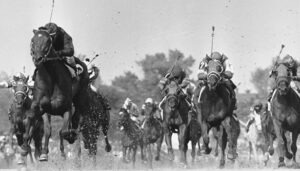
(227, 74)
(132, 109)
(150, 104)
(292, 65)
(18, 77)
(63, 46)
(177, 74)
(93, 72)
(256, 110)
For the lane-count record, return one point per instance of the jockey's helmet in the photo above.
(216, 56)
(289, 60)
(19, 76)
(127, 102)
(52, 28)
(149, 101)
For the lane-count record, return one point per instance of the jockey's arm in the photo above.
(228, 69)
(68, 49)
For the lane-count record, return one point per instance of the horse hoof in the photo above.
(43, 157)
(230, 156)
(108, 148)
(156, 158)
(199, 153)
(271, 151)
(288, 155)
(20, 161)
(281, 164)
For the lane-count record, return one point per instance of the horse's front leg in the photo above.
(287, 152)
(134, 149)
(223, 144)
(280, 141)
(168, 139)
(46, 137)
(182, 138)
(294, 144)
(150, 158)
(228, 128)
(158, 146)
(205, 137)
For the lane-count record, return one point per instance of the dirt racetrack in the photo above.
(113, 161)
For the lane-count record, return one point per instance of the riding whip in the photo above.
(93, 59)
(282, 46)
(52, 10)
(212, 39)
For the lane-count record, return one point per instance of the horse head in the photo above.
(215, 69)
(282, 78)
(124, 118)
(41, 46)
(172, 96)
(20, 90)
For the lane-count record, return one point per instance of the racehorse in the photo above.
(214, 107)
(132, 135)
(152, 132)
(19, 108)
(54, 92)
(176, 120)
(96, 116)
(285, 110)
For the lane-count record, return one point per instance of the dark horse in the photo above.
(285, 110)
(132, 135)
(20, 106)
(96, 116)
(152, 132)
(176, 118)
(214, 107)
(54, 92)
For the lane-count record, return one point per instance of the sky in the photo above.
(249, 32)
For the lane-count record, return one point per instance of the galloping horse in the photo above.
(96, 116)
(54, 92)
(214, 107)
(285, 110)
(20, 106)
(176, 120)
(132, 135)
(153, 132)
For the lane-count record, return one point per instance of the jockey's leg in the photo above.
(231, 86)
(295, 87)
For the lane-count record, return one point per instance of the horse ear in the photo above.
(34, 31)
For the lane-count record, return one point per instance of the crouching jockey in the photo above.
(62, 44)
(177, 74)
(256, 111)
(226, 74)
(150, 109)
(94, 72)
(292, 66)
(133, 111)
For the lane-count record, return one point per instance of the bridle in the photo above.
(44, 57)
